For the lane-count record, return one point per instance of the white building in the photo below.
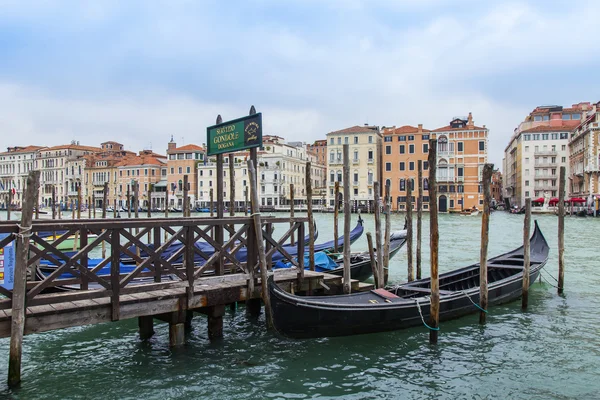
(15, 165)
(279, 165)
(365, 163)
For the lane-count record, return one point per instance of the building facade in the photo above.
(402, 149)
(182, 161)
(15, 164)
(547, 129)
(584, 153)
(365, 164)
(62, 167)
(147, 169)
(462, 151)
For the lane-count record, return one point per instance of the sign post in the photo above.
(238, 134)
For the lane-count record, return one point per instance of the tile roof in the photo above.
(187, 147)
(144, 159)
(26, 149)
(464, 128)
(405, 129)
(566, 127)
(358, 129)
(73, 147)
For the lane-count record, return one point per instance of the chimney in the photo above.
(172, 145)
(470, 120)
(420, 128)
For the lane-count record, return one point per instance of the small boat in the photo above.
(407, 304)
(69, 243)
(471, 211)
(110, 209)
(42, 212)
(175, 210)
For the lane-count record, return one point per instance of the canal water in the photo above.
(550, 351)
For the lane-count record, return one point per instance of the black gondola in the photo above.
(407, 304)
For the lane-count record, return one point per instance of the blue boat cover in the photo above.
(322, 262)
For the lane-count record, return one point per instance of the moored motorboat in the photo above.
(408, 304)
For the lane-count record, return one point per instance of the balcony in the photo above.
(546, 165)
(547, 188)
(371, 161)
(545, 153)
(355, 183)
(548, 177)
(445, 154)
(337, 161)
(445, 178)
(355, 162)
(460, 179)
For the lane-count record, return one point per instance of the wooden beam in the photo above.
(346, 180)
(561, 229)
(419, 216)
(488, 170)
(434, 312)
(526, 254)
(409, 231)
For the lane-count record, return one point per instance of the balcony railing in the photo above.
(546, 165)
(538, 177)
(545, 153)
(548, 188)
(446, 153)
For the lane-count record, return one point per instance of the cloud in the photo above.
(141, 71)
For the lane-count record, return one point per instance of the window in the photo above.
(402, 185)
(370, 139)
(188, 170)
(402, 166)
(526, 148)
(332, 141)
(460, 188)
(370, 155)
(355, 155)
(388, 149)
(411, 148)
(546, 118)
(563, 147)
(537, 118)
(576, 116)
(356, 177)
(388, 166)
(527, 193)
(526, 137)
(356, 191)
(425, 165)
(563, 159)
(425, 147)
(526, 160)
(526, 183)
(411, 165)
(526, 171)
(387, 139)
(544, 136)
(481, 145)
(346, 140)
(355, 139)
(332, 177)
(411, 137)
(402, 149)
(425, 137)
(564, 135)
(188, 156)
(460, 171)
(460, 146)
(566, 116)
(180, 170)
(340, 140)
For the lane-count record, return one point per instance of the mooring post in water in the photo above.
(231, 186)
(53, 203)
(378, 244)
(386, 239)
(292, 240)
(128, 202)
(260, 243)
(434, 234)
(488, 170)
(246, 201)
(167, 201)
(419, 216)
(561, 230)
(104, 200)
(149, 204)
(20, 280)
(374, 267)
(346, 171)
(89, 207)
(186, 205)
(526, 250)
(115, 207)
(78, 204)
(409, 232)
(335, 216)
(9, 206)
(311, 226)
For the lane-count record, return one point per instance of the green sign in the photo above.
(239, 134)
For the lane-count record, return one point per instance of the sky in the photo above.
(139, 72)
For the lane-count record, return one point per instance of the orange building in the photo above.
(402, 150)
(461, 153)
(183, 161)
(147, 169)
(496, 187)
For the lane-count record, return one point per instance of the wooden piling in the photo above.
(128, 203)
(419, 216)
(186, 205)
(434, 311)
(374, 267)
(20, 280)
(260, 243)
(378, 244)
(167, 202)
(561, 230)
(115, 207)
(9, 206)
(104, 200)
(488, 169)
(146, 327)
(335, 216)
(311, 221)
(346, 171)
(409, 231)
(136, 200)
(53, 202)
(246, 201)
(386, 237)
(149, 197)
(526, 254)
(89, 208)
(292, 237)
(211, 202)
(231, 185)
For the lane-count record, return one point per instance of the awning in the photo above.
(540, 200)
(553, 200)
(577, 200)
(160, 184)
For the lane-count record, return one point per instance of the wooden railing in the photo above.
(187, 252)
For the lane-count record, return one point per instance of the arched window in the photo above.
(388, 182)
(180, 184)
(425, 184)
(402, 185)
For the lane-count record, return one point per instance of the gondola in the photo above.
(360, 263)
(405, 305)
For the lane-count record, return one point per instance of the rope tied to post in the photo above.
(24, 232)
(423, 319)
(253, 214)
(547, 281)
(475, 304)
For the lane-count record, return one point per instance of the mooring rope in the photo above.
(543, 270)
(24, 232)
(547, 281)
(475, 304)
(423, 319)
